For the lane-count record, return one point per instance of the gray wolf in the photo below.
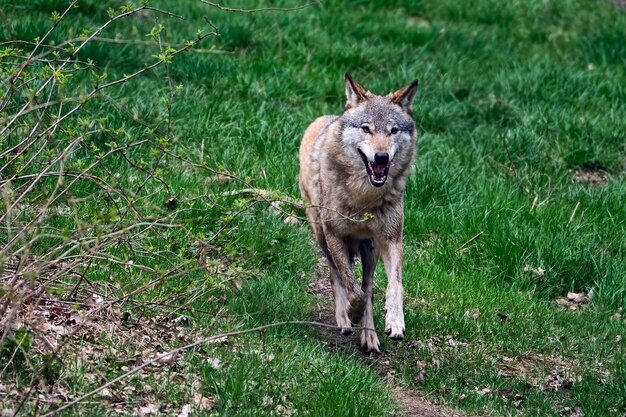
(353, 173)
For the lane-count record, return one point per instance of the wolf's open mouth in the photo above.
(376, 173)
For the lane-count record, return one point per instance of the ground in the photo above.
(165, 209)
(410, 403)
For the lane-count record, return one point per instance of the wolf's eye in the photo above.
(366, 129)
(394, 130)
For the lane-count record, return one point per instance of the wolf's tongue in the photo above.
(378, 169)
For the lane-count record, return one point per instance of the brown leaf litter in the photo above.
(590, 174)
(573, 301)
(546, 372)
(89, 338)
(535, 270)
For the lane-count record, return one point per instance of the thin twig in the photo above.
(469, 242)
(10, 80)
(165, 44)
(264, 9)
(267, 195)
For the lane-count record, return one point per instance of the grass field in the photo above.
(516, 200)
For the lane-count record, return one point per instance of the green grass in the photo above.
(514, 96)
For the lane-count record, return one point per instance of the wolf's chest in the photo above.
(366, 224)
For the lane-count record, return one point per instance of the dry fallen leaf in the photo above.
(421, 375)
(221, 178)
(203, 403)
(506, 392)
(75, 319)
(536, 270)
(452, 342)
(573, 300)
(577, 297)
(185, 411)
(571, 412)
(165, 359)
(106, 393)
(556, 382)
(267, 401)
(590, 175)
(474, 314)
(60, 330)
(147, 410)
(215, 363)
(562, 301)
(291, 219)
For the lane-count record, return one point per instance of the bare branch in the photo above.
(264, 9)
(464, 246)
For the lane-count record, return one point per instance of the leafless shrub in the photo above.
(71, 224)
(67, 216)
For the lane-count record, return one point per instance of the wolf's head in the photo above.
(379, 129)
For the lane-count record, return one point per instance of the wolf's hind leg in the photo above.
(369, 258)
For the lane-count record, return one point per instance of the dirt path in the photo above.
(411, 403)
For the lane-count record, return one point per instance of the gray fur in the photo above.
(349, 213)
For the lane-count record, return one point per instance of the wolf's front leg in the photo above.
(338, 249)
(341, 301)
(391, 251)
(369, 258)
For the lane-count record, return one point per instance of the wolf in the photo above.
(353, 173)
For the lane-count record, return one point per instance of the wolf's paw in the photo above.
(369, 341)
(343, 322)
(394, 326)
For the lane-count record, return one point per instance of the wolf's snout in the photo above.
(381, 158)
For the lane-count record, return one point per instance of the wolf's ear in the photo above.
(404, 96)
(355, 93)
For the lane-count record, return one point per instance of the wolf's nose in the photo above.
(381, 158)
